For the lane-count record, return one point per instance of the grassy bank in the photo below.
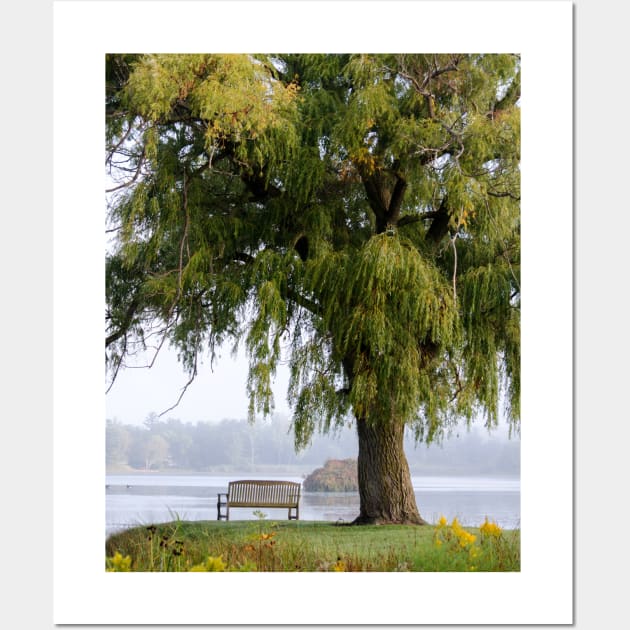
(312, 546)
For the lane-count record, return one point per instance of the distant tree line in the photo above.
(158, 445)
(203, 446)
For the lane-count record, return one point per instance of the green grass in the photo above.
(311, 546)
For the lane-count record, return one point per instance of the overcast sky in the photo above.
(213, 396)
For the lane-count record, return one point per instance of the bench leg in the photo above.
(221, 504)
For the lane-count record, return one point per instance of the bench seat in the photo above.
(261, 494)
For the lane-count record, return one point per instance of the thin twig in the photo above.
(459, 385)
(186, 386)
(118, 364)
(133, 179)
(115, 148)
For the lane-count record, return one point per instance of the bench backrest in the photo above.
(255, 493)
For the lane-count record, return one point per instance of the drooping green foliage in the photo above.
(354, 215)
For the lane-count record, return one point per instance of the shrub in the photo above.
(337, 475)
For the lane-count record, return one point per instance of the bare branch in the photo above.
(115, 148)
(186, 386)
(135, 176)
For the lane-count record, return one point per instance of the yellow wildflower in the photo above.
(442, 521)
(210, 565)
(215, 564)
(466, 538)
(339, 566)
(490, 528)
(118, 563)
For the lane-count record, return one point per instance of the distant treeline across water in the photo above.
(203, 446)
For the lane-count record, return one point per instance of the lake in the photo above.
(142, 499)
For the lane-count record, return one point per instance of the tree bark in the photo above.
(385, 488)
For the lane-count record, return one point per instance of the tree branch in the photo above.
(186, 386)
(304, 302)
(135, 176)
(375, 199)
(504, 194)
(289, 293)
(395, 202)
(439, 228)
(414, 218)
(124, 327)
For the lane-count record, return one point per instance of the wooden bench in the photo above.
(262, 494)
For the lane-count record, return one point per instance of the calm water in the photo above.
(141, 499)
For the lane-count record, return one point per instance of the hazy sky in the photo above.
(213, 396)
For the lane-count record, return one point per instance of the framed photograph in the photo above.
(355, 177)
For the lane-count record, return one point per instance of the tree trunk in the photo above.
(385, 488)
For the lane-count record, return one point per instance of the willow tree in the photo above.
(354, 215)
